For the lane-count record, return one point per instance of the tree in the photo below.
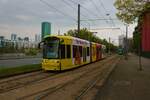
(130, 10)
(83, 34)
(137, 31)
(87, 35)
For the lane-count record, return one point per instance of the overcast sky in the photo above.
(24, 17)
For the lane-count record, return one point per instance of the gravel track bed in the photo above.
(75, 76)
(52, 84)
(74, 89)
(22, 80)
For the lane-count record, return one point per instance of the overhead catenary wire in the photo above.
(102, 5)
(96, 7)
(89, 11)
(51, 6)
(98, 19)
(106, 12)
(98, 10)
(74, 8)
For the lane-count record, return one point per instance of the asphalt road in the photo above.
(19, 62)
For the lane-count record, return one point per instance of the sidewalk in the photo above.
(126, 82)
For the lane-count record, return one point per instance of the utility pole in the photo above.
(109, 46)
(126, 45)
(78, 18)
(58, 32)
(140, 50)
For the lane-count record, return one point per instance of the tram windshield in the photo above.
(50, 49)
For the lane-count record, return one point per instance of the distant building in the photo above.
(26, 39)
(46, 29)
(37, 38)
(2, 41)
(13, 37)
(130, 44)
(19, 39)
(122, 41)
(2, 38)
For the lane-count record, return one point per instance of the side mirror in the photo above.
(62, 40)
(39, 44)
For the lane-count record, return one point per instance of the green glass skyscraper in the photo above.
(46, 29)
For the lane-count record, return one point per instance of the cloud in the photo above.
(4, 1)
(24, 17)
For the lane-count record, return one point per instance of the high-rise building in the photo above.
(13, 37)
(46, 29)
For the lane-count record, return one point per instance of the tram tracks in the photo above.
(52, 90)
(22, 80)
(79, 86)
(27, 79)
(42, 88)
(96, 80)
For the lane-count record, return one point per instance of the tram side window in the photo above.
(100, 50)
(97, 50)
(88, 51)
(62, 51)
(80, 50)
(74, 51)
(68, 51)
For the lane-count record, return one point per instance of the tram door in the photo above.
(84, 54)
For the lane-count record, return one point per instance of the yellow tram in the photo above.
(67, 52)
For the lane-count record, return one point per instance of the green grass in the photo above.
(6, 72)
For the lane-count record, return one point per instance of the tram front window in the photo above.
(50, 50)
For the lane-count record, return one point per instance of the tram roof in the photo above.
(68, 37)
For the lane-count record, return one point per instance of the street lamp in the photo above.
(110, 19)
(126, 41)
(112, 28)
(126, 44)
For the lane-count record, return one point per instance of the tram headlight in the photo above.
(57, 61)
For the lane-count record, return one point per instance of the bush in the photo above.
(31, 52)
(6, 72)
(146, 54)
